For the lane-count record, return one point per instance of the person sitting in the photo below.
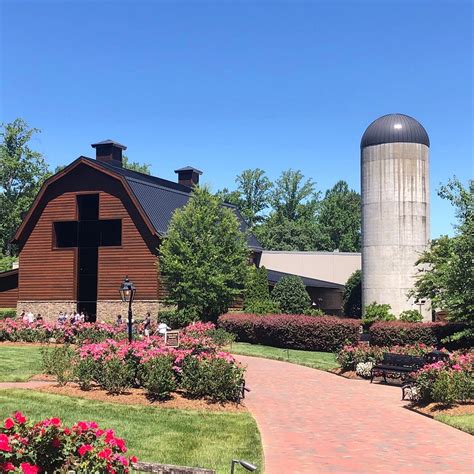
(82, 317)
(119, 320)
(61, 318)
(39, 318)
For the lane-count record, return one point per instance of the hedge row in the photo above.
(292, 331)
(393, 333)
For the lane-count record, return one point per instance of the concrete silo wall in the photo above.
(395, 221)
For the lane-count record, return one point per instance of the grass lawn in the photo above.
(189, 438)
(316, 360)
(461, 422)
(19, 363)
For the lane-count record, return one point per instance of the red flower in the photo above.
(19, 417)
(133, 459)
(85, 448)
(29, 468)
(7, 467)
(105, 454)
(4, 443)
(56, 443)
(9, 424)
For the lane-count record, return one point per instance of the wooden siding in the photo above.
(47, 273)
(133, 258)
(9, 289)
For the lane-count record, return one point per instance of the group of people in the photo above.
(73, 317)
(162, 328)
(29, 317)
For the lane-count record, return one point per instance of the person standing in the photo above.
(147, 325)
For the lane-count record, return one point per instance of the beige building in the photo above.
(324, 273)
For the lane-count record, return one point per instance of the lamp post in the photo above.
(127, 293)
(245, 464)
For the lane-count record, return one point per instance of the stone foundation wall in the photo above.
(49, 310)
(107, 310)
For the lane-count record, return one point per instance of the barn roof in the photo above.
(275, 276)
(157, 197)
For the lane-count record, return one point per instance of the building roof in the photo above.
(188, 168)
(394, 128)
(275, 276)
(109, 142)
(159, 198)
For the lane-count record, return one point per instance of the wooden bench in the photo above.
(396, 364)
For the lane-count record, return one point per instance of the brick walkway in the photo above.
(312, 421)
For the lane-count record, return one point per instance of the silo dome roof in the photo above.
(394, 128)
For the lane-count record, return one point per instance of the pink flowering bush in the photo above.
(48, 446)
(42, 331)
(447, 381)
(352, 354)
(116, 365)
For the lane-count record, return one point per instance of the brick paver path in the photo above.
(312, 421)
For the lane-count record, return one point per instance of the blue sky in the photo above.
(229, 85)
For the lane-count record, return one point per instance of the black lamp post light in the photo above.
(245, 464)
(127, 293)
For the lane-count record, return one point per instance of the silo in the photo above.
(395, 209)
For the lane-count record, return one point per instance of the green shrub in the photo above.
(221, 337)
(157, 377)
(314, 312)
(116, 375)
(57, 361)
(377, 312)
(212, 377)
(352, 296)
(177, 319)
(193, 378)
(6, 313)
(263, 307)
(85, 372)
(291, 295)
(411, 316)
(257, 293)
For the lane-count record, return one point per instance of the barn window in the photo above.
(65, 234)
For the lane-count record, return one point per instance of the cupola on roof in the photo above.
(395, 128)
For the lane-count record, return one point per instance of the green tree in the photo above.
(291, 295)
(278, 233)
(445, 269)
(230, 197)
(257, 293)
(22, 172)
(339, 218)
(253, 187)
(292, 223)
(144, 168)
(352, 296)
(293, 198)
(377, 312)
(204, 256)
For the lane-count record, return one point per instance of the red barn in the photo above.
(92, 224)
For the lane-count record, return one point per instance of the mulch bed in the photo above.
(434, 409)
(137, 396)
(347, 374)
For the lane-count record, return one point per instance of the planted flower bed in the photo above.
(198, 367)
(73, 333)
(48, 446)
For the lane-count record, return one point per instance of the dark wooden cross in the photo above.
(87, 234)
